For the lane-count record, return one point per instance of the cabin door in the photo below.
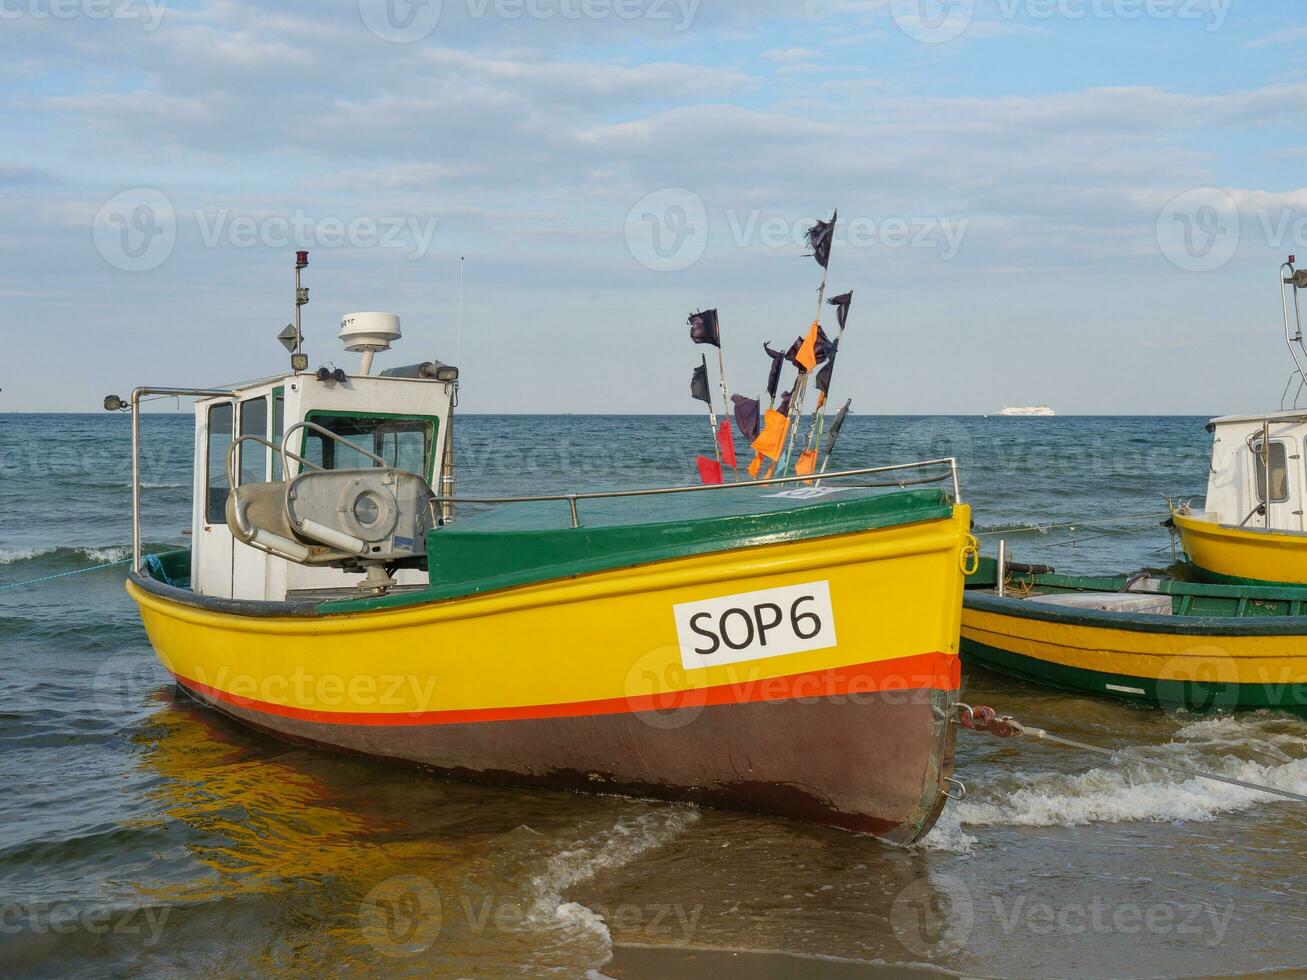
(1283, 467)
(213, 541)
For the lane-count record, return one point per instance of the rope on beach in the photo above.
(985, 719)
(75, 571)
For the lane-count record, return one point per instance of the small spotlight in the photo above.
(112, 403)
(446, 372)
(299, 362)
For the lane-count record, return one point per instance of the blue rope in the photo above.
(76, 571)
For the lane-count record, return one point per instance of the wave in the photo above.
(73, 557)
(1141, 791)
(629, 838)
(947, 836)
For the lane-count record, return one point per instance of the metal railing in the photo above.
(137, 395)
(573, 498)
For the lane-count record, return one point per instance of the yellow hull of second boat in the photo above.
(1243, 554)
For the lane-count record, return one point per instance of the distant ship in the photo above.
(1036, 410)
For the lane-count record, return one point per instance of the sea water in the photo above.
(141, 834)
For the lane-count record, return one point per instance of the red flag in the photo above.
(726, 440)
(710, 471)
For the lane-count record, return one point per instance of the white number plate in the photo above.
(753, 625)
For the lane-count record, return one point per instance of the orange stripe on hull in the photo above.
(927, 671)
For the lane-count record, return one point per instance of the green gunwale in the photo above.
(465, 561)
(1191, 695)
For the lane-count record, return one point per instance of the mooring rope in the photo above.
(75, 571)
(1045, 528)
(984, 719)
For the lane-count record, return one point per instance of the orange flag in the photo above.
(726, 440)
(806, 357)
(770, 442)
(755, 466)
(806, 464)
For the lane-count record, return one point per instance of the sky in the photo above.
(1072, 202)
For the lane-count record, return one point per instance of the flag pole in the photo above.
(796, 409)
(726, 411)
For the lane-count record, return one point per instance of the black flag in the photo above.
(747, 411)
(841, 303)
(704, 328)
(784, 408)
(819, 240)
(835, 425)
(823, 376)
(699, 383)
(774, 375)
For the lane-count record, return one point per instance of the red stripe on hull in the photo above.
(928, 671)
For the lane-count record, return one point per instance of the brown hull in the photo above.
(869, 762)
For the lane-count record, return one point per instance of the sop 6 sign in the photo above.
(753, 625)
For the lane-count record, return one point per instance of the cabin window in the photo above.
(1279, 468)
(254, 455)
(278, 428)
(405, 443)
(221, 419)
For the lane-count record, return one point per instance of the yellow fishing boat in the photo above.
(1154, 641)
(1251, 528)
(773, 647)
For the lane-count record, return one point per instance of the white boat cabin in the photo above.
(402, 417)
(1243, 468)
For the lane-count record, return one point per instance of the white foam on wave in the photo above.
(1138, 791)
(629, 838)
(106, 555)
(947, 836)
(10, 557)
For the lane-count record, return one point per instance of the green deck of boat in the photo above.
(521, 544)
